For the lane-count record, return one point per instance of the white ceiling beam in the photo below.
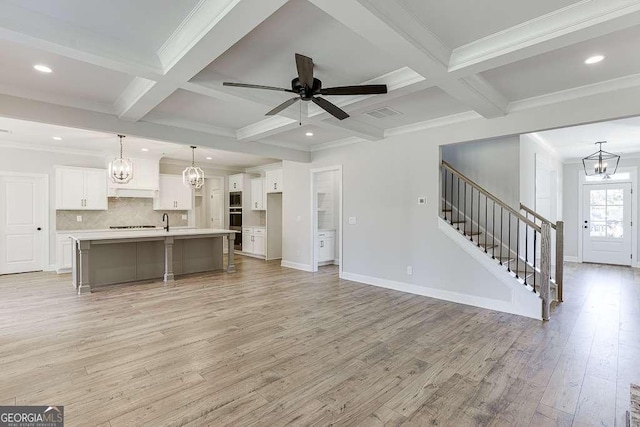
(578, 22)
(25, 109)
(33, 29)
(354, 127)
(388, 25)
(210, 31)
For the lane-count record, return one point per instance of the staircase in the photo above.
(523, 243)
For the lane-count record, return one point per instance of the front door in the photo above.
(606, 223)
(22, 222)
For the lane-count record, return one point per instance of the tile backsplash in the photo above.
(122, 211)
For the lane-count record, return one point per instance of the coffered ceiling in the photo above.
(153, 69)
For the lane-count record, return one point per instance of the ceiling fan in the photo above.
(308, 87)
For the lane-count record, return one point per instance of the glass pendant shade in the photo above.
(601, 163)
(121, 169)
(193, 176)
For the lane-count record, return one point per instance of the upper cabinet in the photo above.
(145, 181)
(236, 182)
(174, 195)
(273, 182)
(81, 189)
(257, 194)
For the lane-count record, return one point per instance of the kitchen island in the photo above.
(105, 258)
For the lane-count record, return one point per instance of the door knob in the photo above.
(39, 228)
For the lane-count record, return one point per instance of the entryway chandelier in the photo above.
(193, 176)
(121, 169)
(598, 163)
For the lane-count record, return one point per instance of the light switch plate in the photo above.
(79, 218)
(422, 200)
(353, 220)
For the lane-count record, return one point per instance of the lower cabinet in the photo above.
(254, 240)
(326, 246)
(64, 253)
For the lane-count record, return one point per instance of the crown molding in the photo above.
(428, 124)
(264, 168)
(334, 144)
(612, 85)
(51, 149)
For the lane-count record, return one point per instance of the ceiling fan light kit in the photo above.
(307, 88)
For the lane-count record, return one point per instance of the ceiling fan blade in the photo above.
(304, 64)
(355, 90)
(282, 106)
(280, 89)
(330, 108)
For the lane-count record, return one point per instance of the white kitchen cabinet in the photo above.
(254, 240)
(257, 194)
(236, 182)
(326, 246)
(173, 195)
(81, 189)
(64, 253)
(273, 182)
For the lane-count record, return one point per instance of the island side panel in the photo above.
(113, 263)
(150, 260)
(199, 254)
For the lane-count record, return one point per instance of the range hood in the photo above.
(145, 182)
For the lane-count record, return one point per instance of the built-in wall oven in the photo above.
(235, 199)
(235, 223)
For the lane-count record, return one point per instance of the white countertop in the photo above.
(117, 230)
(145, 234)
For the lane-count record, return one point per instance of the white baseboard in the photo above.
(571, 259)
(250, 255)
(296, 266)
(476, 301)
(63, 270)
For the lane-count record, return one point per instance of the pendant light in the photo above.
(121, 169)
(193, 176)
(601, 163)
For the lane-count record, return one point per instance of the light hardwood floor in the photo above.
(270, 346)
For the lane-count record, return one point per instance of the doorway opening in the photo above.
(326, 208)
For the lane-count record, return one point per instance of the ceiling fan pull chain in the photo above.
(301, 114)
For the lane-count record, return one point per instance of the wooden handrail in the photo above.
(537, 215)
(492, 197)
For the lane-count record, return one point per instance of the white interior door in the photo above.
(606, 223)
(22, 224)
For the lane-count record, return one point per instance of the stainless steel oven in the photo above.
(235, 223)
(235, 199)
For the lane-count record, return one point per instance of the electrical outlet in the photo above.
(422, 200)
(184, 217)
(409, 270)
(353, 220)
(79, 218)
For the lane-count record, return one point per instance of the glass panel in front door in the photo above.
(607, 213)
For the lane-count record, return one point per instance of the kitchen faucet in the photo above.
(165, 216)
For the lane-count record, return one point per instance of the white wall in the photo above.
(532, 150)
(381, 185)
(488, 163)
(32, 161)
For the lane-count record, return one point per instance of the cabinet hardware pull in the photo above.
(322, 243)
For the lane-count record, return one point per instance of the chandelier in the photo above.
(121, 169)
(598, 163)
(193, 176)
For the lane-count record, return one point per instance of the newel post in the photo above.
(559, 258)
(545, 269)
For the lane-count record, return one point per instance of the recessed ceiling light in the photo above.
(309, 133)
(594, 59)
(42, 68)
(209, 158)
(145, 149)
(57, 138)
